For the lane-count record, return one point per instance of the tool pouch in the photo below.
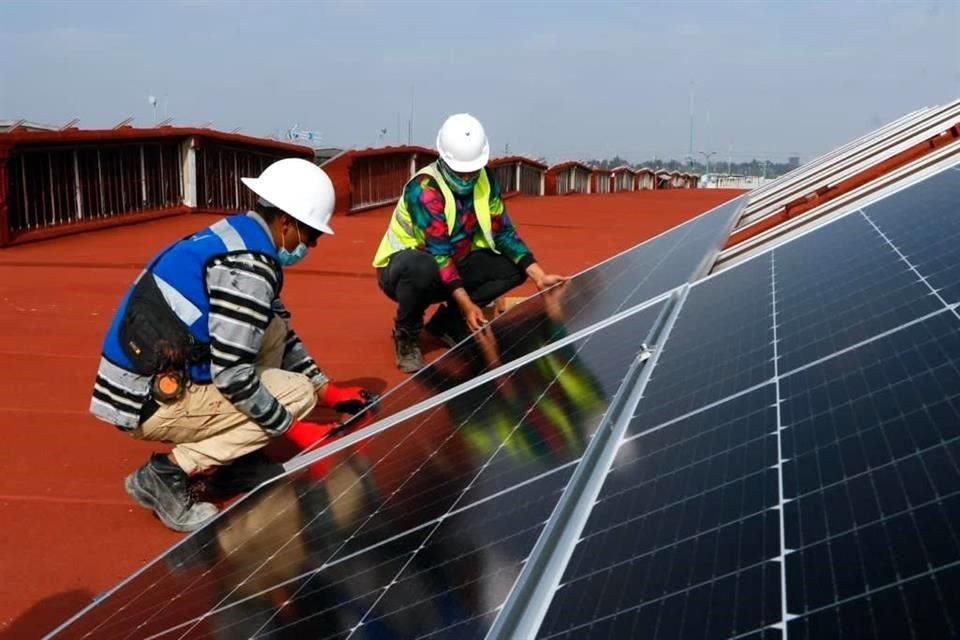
(155, 340)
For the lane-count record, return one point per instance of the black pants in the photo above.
(412, 280)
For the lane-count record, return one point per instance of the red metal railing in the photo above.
(506, 177)
(378, 180)
(601, 182)
(645, 180)
(61, 185)
(531, 180)
(219, 169)
(423, 159)
(368, 178)
(519, 174)
(623, 181)
(573, 179)
(58, 182)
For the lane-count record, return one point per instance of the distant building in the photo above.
(322, 154)
(24, 125)
(793, 162)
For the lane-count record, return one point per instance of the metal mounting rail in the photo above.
(528, 602)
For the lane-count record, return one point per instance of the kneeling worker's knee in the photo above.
(293, 390)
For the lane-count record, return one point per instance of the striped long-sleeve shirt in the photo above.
(243, 300)
(243, 291)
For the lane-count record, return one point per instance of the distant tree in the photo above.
(754, 167)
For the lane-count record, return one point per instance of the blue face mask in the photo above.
(290, 258)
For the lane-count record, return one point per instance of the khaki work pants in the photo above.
(209, 431)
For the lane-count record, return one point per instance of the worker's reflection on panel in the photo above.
(543, 411)
(282, 565)
(261, 558)
(388, 542)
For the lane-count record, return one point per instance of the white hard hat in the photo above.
(299, 188)
(463, 143)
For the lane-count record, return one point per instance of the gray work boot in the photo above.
(409, 356)
(161, 486)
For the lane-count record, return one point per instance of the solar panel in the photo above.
(842, 285)
(593, 296)
(721, 343)
(873, 518)
(442, 576)
(680, 541)
(932, 246)
(378, 532)
(881, 145)
(821, 496)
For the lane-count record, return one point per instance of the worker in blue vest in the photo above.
(450, 241)
(200, 352)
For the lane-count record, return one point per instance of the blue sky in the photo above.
(564, 80)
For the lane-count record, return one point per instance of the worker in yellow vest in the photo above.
(450, 241)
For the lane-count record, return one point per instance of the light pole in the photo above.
(707, 155)
(690, 149)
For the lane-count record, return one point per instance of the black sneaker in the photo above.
(236, 477)
(409, 356)
(447, 326)
(161, 486)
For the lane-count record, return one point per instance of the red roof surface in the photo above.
(70, 532)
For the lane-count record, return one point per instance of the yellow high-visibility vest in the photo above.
(403, 234)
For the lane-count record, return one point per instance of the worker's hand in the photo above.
(350, 400)
(547, 280)
(543, 280)
(305, 434)
(473, 316)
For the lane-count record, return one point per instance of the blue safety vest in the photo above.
(179, 272)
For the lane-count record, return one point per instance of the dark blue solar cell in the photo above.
(685, 510)
(840, 285)
(925, 607)
(923, 222)
(872, 504)
(721, 344)
(765, 634)
(465, 569)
